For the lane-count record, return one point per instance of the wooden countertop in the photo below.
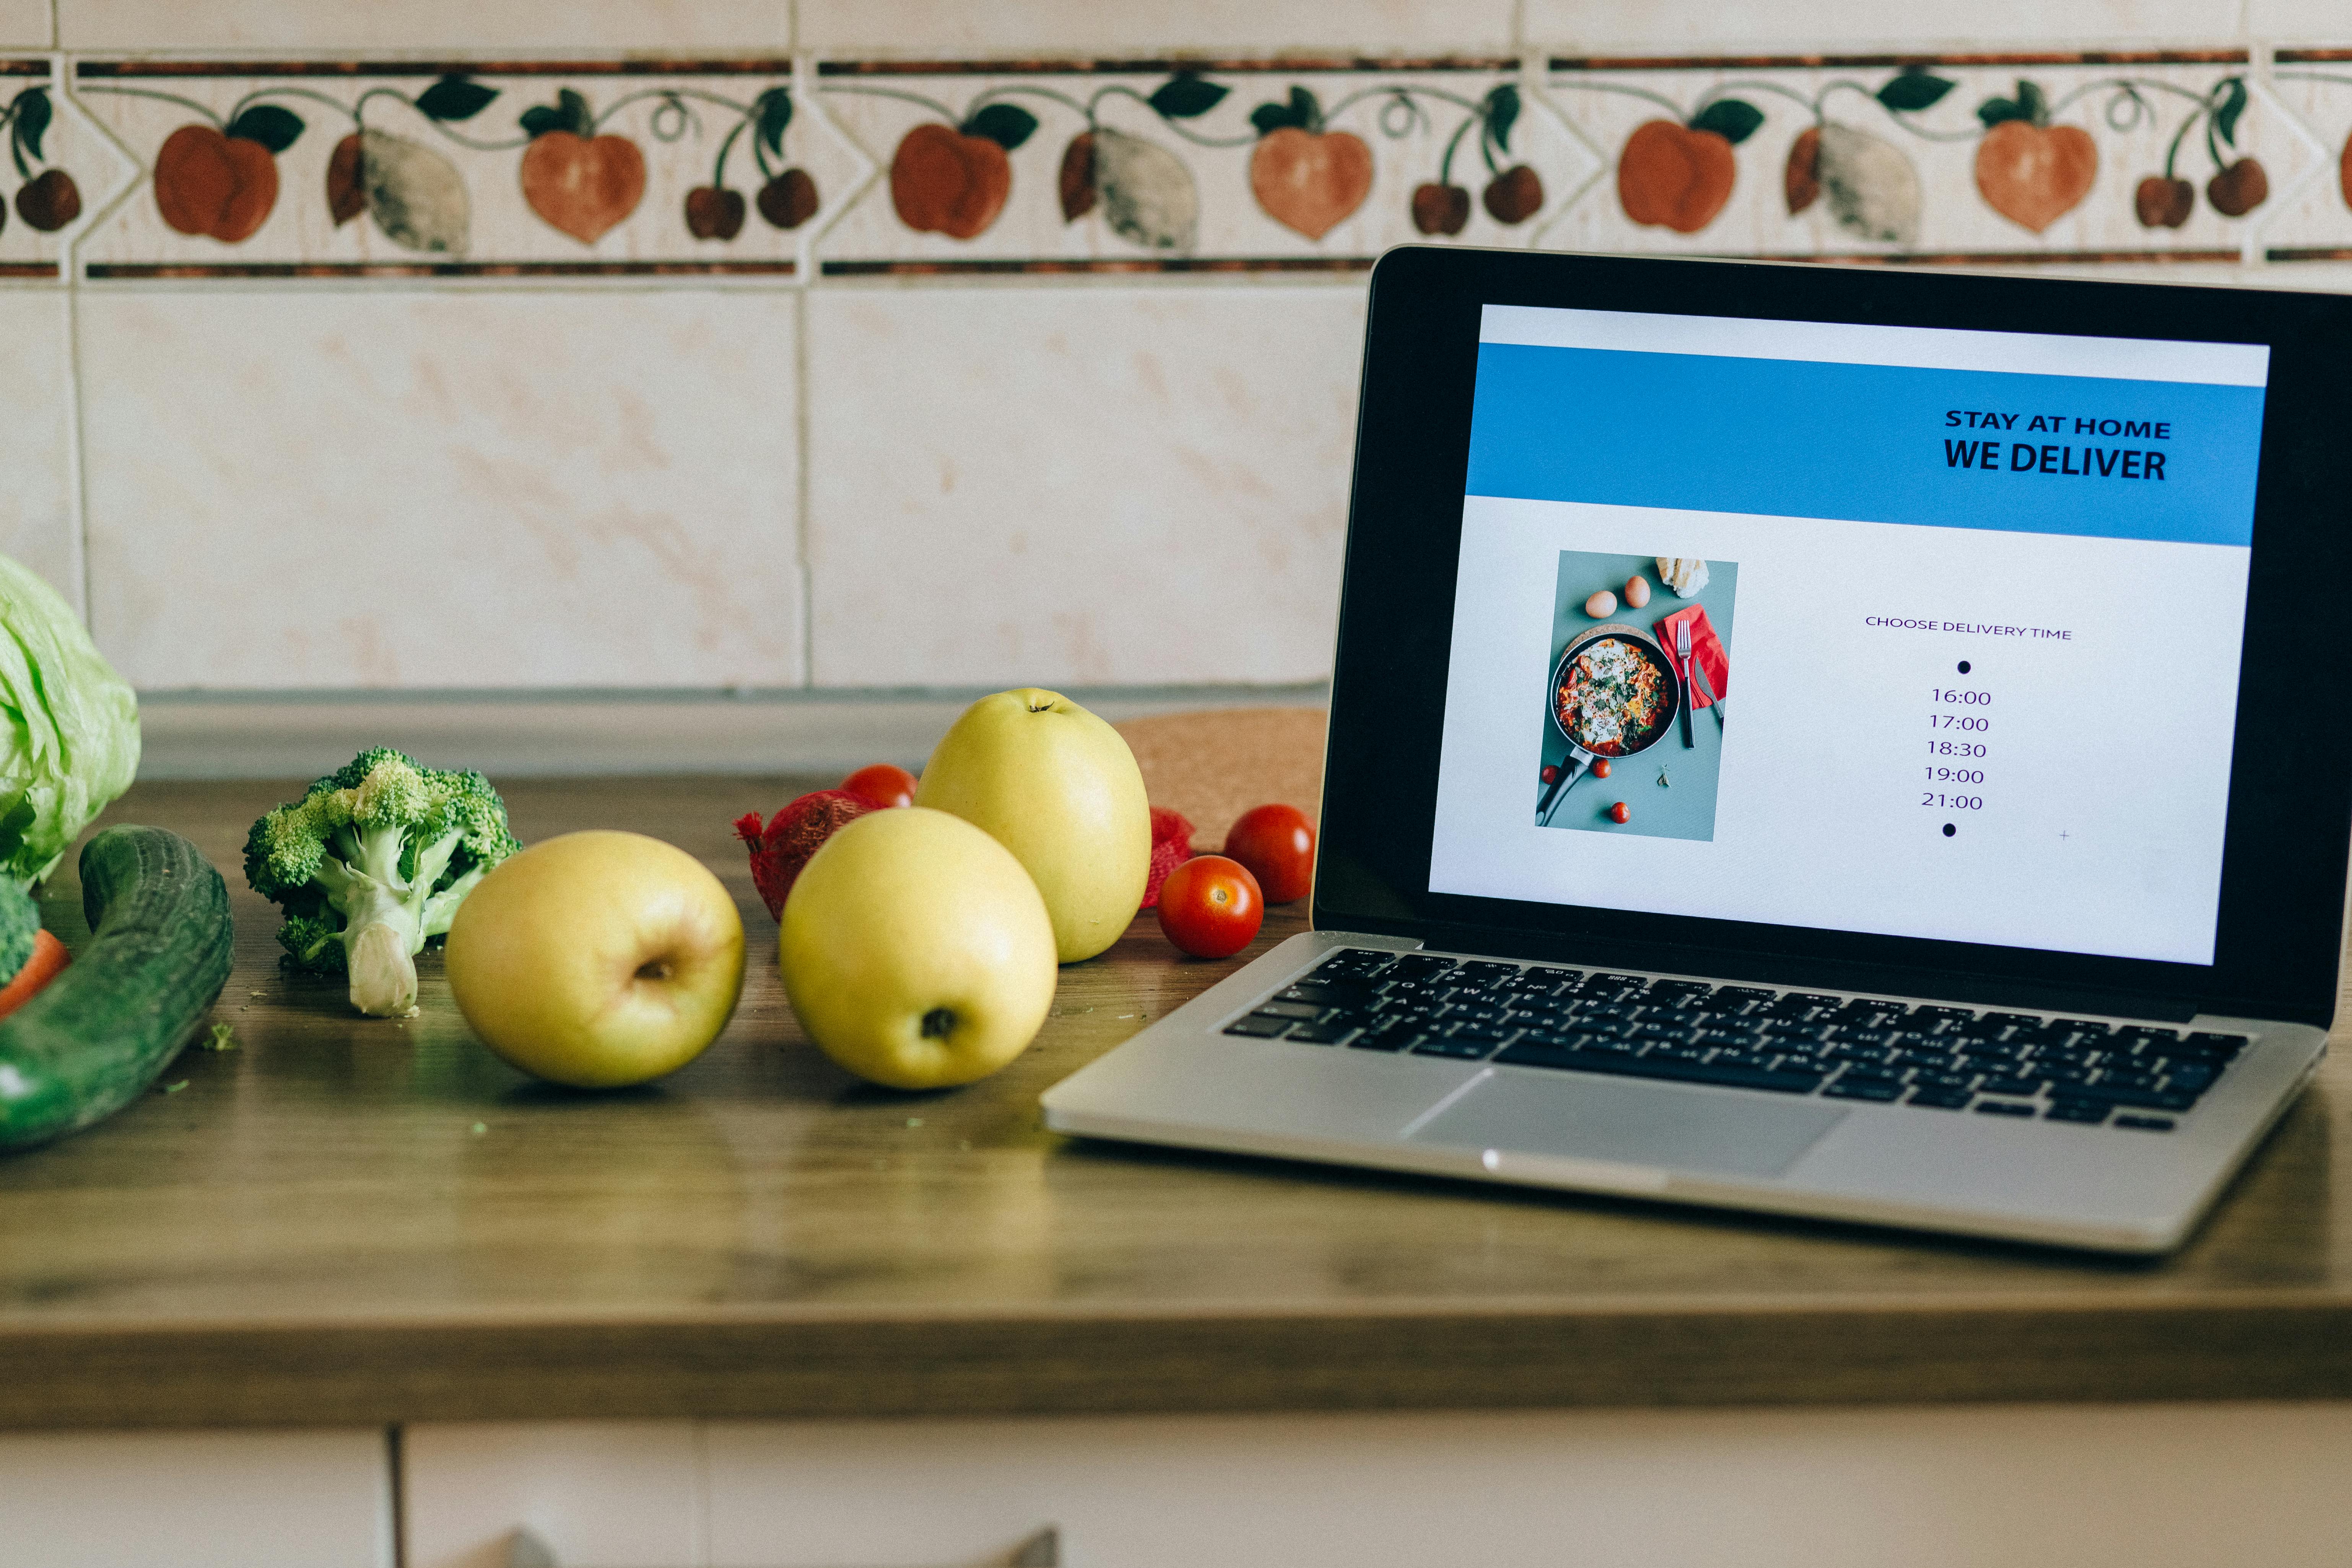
(314, 1230)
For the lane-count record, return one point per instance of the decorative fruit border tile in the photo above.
(401, 169)
(785, 168)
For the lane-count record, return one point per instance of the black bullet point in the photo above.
(1964, 666)
(1949, 830)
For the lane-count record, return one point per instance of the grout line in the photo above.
(395, 1446)
(801, 486)
(77, 463)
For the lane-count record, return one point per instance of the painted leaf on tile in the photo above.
(2232, 104)
(1913, 89)
(774, 108)
(1733, 118)
(28, 123)
(1186, 97)
(1300, 111)
(455, 98)
(1006, 125)
(2029, 105)
(569, 112)
(1502, 112)
(275, 128)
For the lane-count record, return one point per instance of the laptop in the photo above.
(1835, 741)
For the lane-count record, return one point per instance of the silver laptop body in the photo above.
(2056, 907)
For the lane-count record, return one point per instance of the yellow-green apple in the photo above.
(597, 958)
(1058, 787)
(916, 952)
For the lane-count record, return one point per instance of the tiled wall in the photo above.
(865, 345)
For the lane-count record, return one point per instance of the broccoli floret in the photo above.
(20, 922)
(371, 863)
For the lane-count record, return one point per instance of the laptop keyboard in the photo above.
(1953, 1060)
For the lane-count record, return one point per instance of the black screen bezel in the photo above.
(2290, 818)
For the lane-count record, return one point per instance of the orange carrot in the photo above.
(49, 960)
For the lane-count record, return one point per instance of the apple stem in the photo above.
(937, 1024)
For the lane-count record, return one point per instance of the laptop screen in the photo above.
(1898, 630)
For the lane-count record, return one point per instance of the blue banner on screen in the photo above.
(2092, 455)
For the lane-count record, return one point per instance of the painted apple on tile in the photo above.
(2030, 171)
(222, 183)
(1304, 177)
(579, 182)
(955, 180)
(1679, 176)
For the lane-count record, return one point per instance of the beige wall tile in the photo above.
(1660, 26)
(954, 27)
(25, 24)
(1081, 486)
(595, 1494)
(36, 503)
(196, 1499)
(461, 27)
(325, 489)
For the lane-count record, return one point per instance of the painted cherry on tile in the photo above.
(1306, 177)
(1512, 195)
(787, 198)
(49, 200)
(2239, 184)
(581, 183)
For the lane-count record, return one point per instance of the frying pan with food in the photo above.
(1657, 716)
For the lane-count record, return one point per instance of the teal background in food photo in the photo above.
(1684, 806)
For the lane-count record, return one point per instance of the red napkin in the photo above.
(1707, 652)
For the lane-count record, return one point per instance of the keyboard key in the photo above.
(1873, 1087)
(1739, 995)
(2090, 1112)
(2139, 1098)
(1419, 965)
(1280, 1009)
(2009, 1021)
(1960, 1083)
(1675, 993)
(2190, 1078)
(2145, 1123)
(2090, 1026)
(1257, 1028)
(2140, 1035)
(1468, 1048)
(1488, 968)
(1388, 1039)
(2004, 1108)
(2021, 1085)
(1673, 1071)
(2223, 1046)
(1321, 1034)
(1328, 993)
(1930, 1017)
(1940, 1099)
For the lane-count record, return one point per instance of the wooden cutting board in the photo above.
(1216, 764)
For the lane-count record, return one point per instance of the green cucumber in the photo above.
(98, 1035)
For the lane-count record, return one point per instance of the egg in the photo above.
(1601, 603)
(1637, 591)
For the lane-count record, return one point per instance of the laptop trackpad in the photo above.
(1585, 1118)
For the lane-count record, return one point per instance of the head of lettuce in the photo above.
(68, 727)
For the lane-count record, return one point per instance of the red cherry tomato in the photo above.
(1277, 844)
(1620, 812)
(882, 785)
(1211, 906)
(1600, 767)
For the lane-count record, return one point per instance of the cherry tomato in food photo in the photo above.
(881, 786)
(1620, 812)
(1600, 767)
(1211, 906)
(1550, 774)
(1277, 844)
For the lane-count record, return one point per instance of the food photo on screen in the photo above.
(1637, 705)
